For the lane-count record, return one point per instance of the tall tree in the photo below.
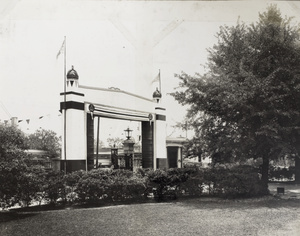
(46, 140)
(247, 104)
(20, 178)
(12, 162)
(117, 142)
(12, 140)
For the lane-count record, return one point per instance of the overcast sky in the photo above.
(119, 44)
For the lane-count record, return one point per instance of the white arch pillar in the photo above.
(160, 151)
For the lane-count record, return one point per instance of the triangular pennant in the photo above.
(62, 48)
(28, 120)
(20, 121)
(41, 117)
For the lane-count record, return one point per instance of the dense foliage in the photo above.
(100, 185)
(247, 104)
(12, 163)
(279, 174)
(22, 180)
(46, 140)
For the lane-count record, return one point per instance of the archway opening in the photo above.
(109, 148)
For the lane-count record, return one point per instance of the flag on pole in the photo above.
(156, 79)
(61, 50)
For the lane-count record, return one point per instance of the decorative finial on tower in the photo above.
(72, 78)
(72, 74)
(157, 95)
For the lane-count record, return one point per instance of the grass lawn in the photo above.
(203, 216)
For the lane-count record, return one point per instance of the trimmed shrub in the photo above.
(122, 185)
(71, 181)
(113, 185)
(54, 187)
(91, 186)
(238, 181)
(166, 183)
(194, 184)
(100, 185)
(31, 185)
(279, 173)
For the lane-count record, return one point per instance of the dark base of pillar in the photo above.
(162, 163)
(73, 165)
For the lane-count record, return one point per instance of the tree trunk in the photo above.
(265, 172)
(297, 169)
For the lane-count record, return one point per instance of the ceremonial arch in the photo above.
(81, 104)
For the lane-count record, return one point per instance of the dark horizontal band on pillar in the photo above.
(71, 92)
(72, 105)
(162, 163)
(160, 117)
(73, 165)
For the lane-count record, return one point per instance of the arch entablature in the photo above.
(117, 98)
(117, 112)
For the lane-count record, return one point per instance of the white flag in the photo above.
(62, 48)
(156, 79)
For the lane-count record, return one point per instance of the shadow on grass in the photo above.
(268, 201)
(11, 216)
(64, 206)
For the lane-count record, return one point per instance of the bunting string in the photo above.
(28, 120)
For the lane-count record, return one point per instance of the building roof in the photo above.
(36, 152)
(178, 141)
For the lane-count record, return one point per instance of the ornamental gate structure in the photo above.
(81, 104)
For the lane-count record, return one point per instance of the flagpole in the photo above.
(159, 81)
(65, 106)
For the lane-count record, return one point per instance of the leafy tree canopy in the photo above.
(12, 141)
(13, 163)
(46, 140)
(247, 103)
(117, 142)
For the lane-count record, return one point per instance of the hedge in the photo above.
(99, 185)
